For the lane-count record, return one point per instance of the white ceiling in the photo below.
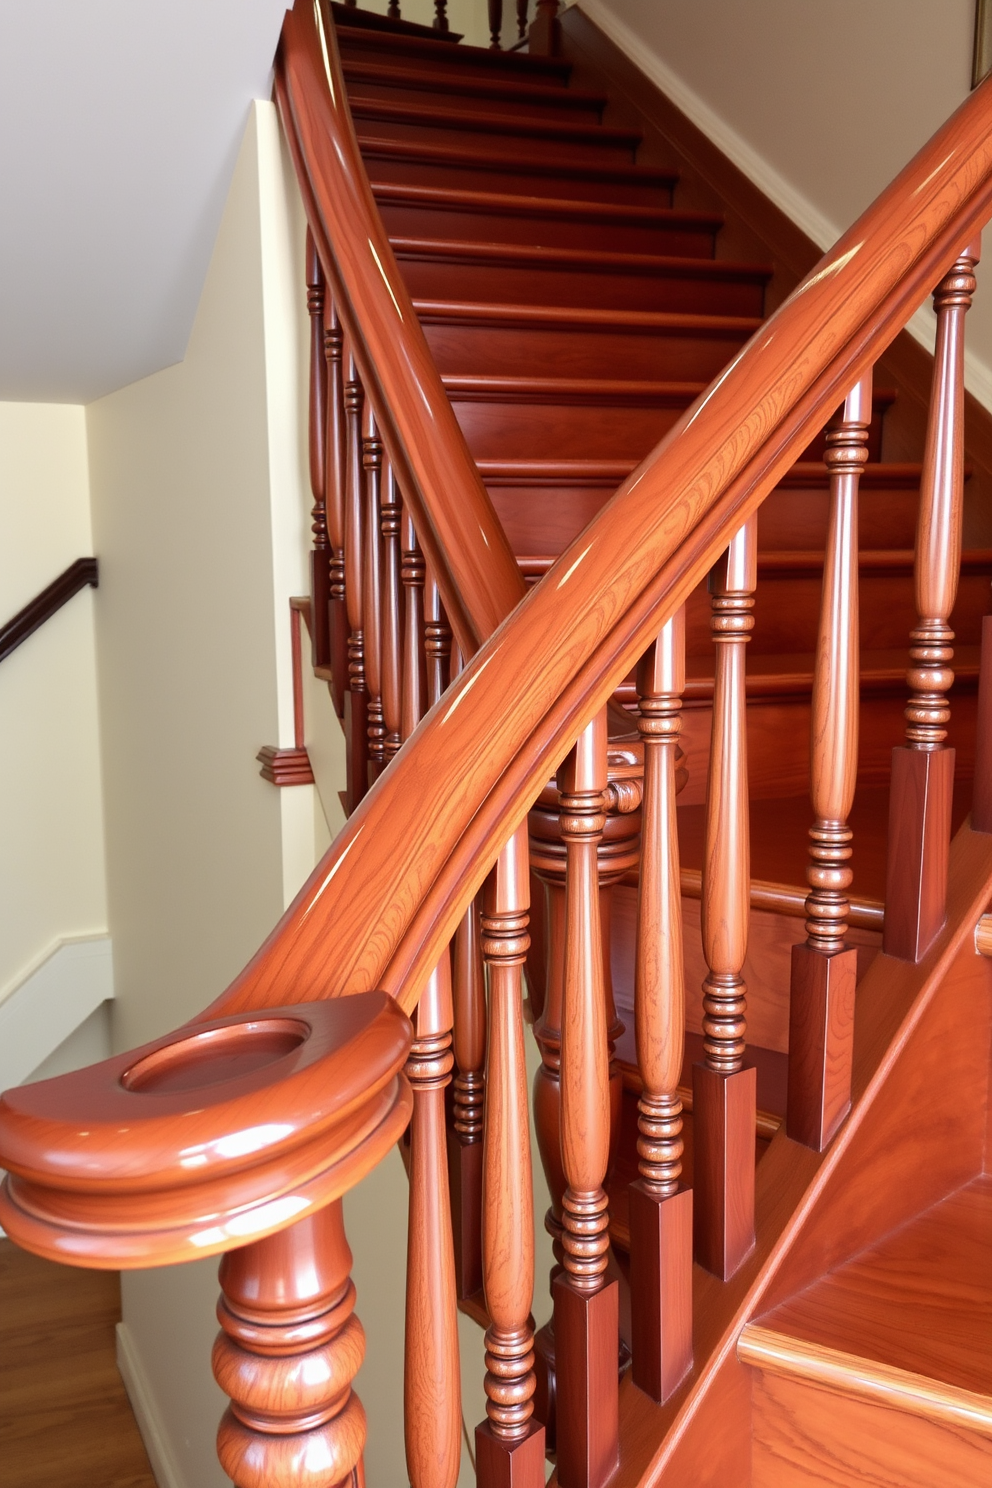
(120, 122)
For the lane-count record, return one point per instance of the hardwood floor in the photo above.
(65, 1419)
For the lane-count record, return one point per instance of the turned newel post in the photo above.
(320, 553)
(824, 972)
(509, 1443)
(544, 38)
(372, 591)
(290, 1347)
(585, 1303)
(923, 769)
(336, 453)
(724, 1103)
(392, 618)
(441, 15)
(432, 1383)
(356, 702)
(660, 1210)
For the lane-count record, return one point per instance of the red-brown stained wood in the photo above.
(981, 811)
(723, 1091)
(288, 1351)
(356, 701)
(336, 451)
(372, 590)
(466, 1131)
(509, 1444)
(392, 616)
(320, 553)
(824, 974)
(660, 1216)
(414, 679)
(920, 824)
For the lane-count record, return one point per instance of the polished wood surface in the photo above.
(509, 1444)
(465, 1154)
(64, 1414)
(432, 1423)
(320, 570)
(335, 448)
(289, 1348)
(371, 544)
(84, 572)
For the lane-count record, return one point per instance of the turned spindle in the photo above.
(414, 689)
(585, 1303)
(432, 1383)
(320, 553)
(824, 971)
(660, 1211)
(921, 791)
(288, 1352)
(356, 701)
(522, 8)
(495, 24)
(544, 37)
(509, 1443)
(468, 1094)
(392, 617)
(372, 591)
(441, 15)
(335, 484)
(437, 641)
(724, 1096)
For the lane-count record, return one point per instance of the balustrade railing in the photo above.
(238, 1134)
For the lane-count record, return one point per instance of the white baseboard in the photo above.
(51, 1001)
(165, 1469)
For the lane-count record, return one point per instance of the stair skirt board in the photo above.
(167, 1472)
(51, 1002)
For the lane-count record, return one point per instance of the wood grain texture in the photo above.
(821, 1042)
(320, 553)
(920, 803)
(981, 811)
(65, 1417)
(289, 1347)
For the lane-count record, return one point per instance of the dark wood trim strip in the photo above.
(85, 571)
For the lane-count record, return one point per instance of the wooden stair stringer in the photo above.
(701, 1436)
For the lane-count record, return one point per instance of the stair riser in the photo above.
(564, 108)
(465, 226)
(527, 178)
(516, 351)
(489, 141)
(465, 63)
(540, 520)
(613, 289)
(804, 1437)
(797, 518)
(522, 431)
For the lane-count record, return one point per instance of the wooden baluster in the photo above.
(432, 1384)
(414, 669)
(392, 619)
(724, 1105)
(465, 1135)
(356, 700)
(922, 786)
(981, 805)
(509, 1444)
(660, 1212)
(522, 8)
(824, 973)
(437, 641)
(393, 10)
(586, 1305)
(544, 38)
(336, 449)
(441, 15)
(372, 591)
(320, 554)
(495, 24)
(290, 1347)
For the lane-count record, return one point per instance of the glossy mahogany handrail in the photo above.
(44, 605)
(387, 896)
(457, 526)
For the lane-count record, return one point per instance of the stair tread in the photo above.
(779, 829)
(521, 204)
(428, 152)
(433, 79)
(582, 317)
(444, 49)
(578, 258)
(918, 1301)
(504, 123)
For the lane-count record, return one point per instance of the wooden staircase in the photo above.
(821, 1316)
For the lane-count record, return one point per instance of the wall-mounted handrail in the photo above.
(85, 571)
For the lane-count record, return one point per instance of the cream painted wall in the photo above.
(52, 874)
(200, 516)
(820, 104)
